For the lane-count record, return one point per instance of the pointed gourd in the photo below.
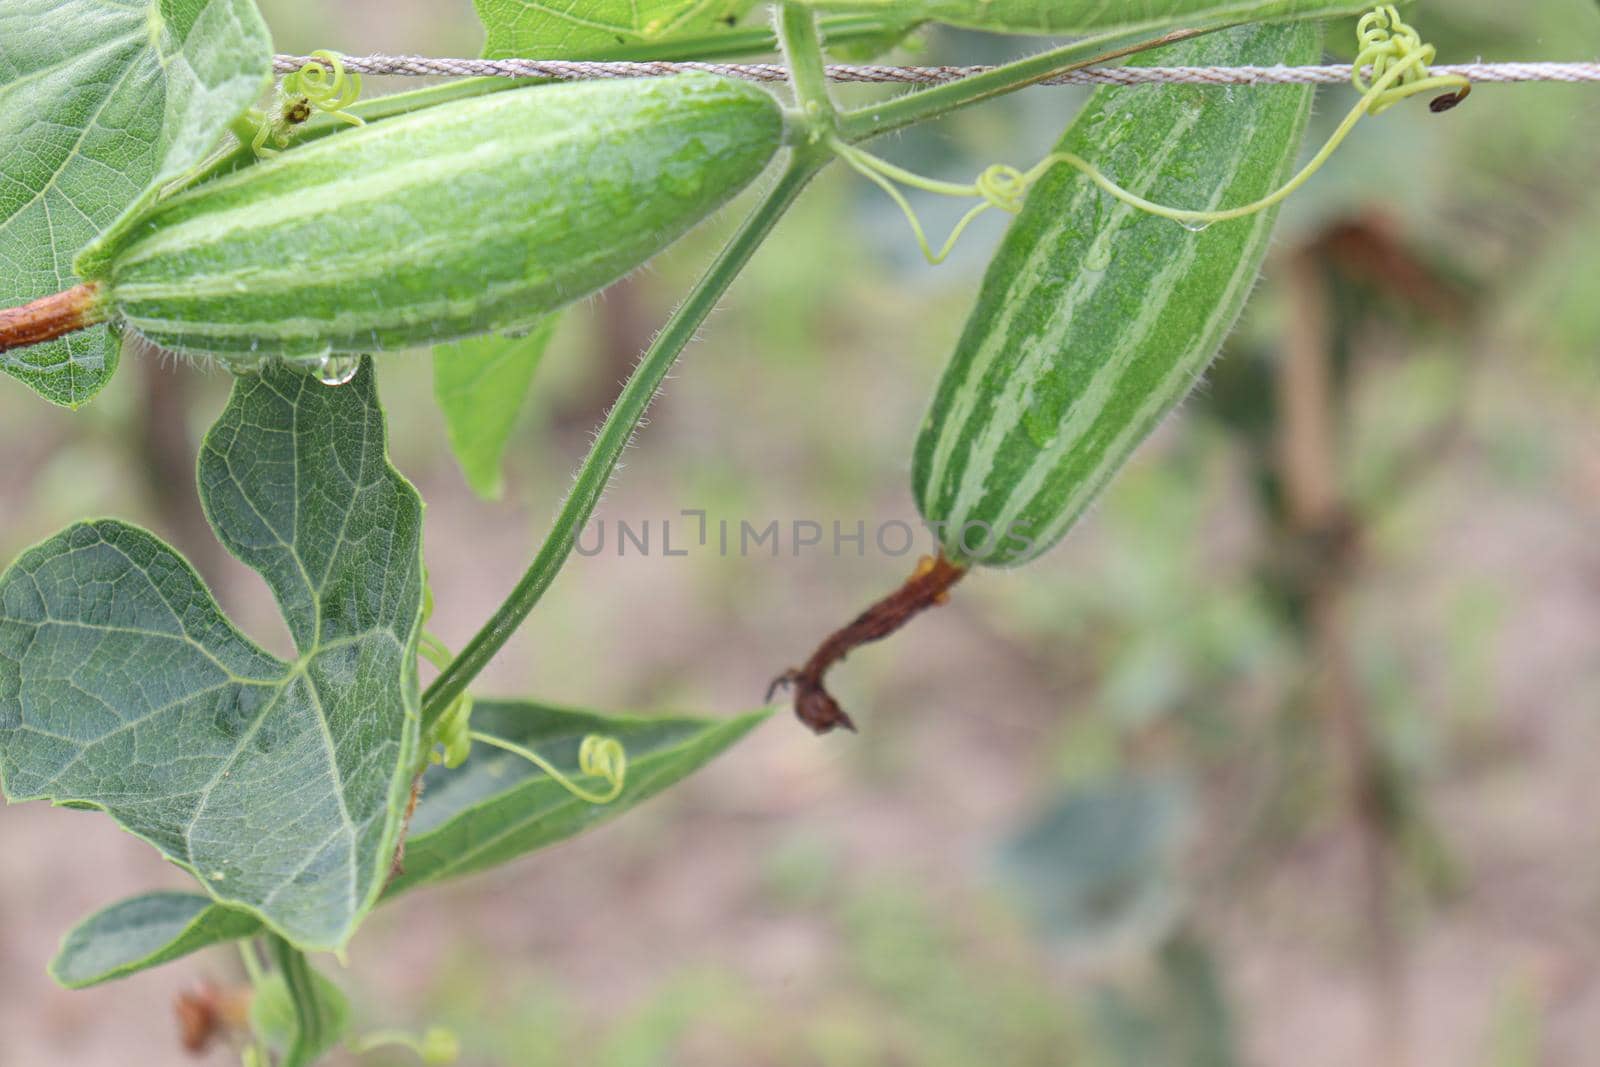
(1095, 320)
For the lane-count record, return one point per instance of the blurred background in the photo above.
(1286, 755)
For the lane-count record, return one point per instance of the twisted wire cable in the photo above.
(574, 70)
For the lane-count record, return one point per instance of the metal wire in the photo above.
(569, 70)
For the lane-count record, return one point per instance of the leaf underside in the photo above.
(142, 932)
(123, 687)
(497, 807)
(100, 102)
(494, 809)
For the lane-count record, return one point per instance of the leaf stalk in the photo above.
(802, 46)
(616, 432)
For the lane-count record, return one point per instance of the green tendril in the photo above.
(1390, 49)
(453, 741)
(321, 84)
(598, 756)
(326, 85)
(434, 650)
(999, 186)
(252, 962)
(1388, 44)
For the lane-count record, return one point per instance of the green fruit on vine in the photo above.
(1096, 319)
(480, 215)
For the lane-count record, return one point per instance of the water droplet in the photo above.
(337, 368)
(1196, 227)
(1041, 421)
(238, 365)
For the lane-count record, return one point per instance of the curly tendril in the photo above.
(999, 186)
(328, 88)
(321, 84)
(598, 756)
(1392, 66)
(1388, 43)
(605, 758)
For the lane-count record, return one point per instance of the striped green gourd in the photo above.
(1094, 319)
(484, 214)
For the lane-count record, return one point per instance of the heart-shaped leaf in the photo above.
(584, 29)
(497, 806)
(1086, 16)
(101, 103)
(480, 384)
(142, 932)
(123, 686)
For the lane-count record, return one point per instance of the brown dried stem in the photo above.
(927, 587)
(50, 317)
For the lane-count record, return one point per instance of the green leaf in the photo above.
(296, 1011)
(102, 101)
(585, 29)
(1100, 863)
(497, 806)
(480, 385)
(1085, 16)
(123, 686)
(142, 932)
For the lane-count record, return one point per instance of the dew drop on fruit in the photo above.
(1041, 420)
(337, 369)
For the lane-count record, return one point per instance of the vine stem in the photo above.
(875, 120)
(615, 433)
(312, 1016)
(802, 46)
